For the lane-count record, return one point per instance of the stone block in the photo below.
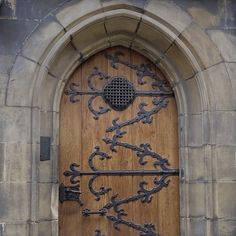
(203, 16)
(192, 95)
(124, 4)
(16, 229)
(46, 121)
(12, 30)
(76, 10)
(42, 38)
(121, 24)
(226, 227)
(48, 201)
(153, 36)
(226, 42)
(231, 69)
(219, 86)
(179, 61)
(85, 37)
(15, 159)
(197, 227)
(197, 200)
(121, 39)
(194, 130)
(3, 86)
(6, 63)
(47, 95)
(225, 199)
(14, 124)
(225, 163)
(201, 46)
(20, 84)
(45, 228)
(168, 13)
(223, 127)
(196, 164)
(14, 202)
(64, 58)
(35, 9)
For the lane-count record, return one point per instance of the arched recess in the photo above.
(161, 38)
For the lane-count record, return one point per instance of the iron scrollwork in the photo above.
(118, 93)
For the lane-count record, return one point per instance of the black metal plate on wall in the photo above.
(45, 148)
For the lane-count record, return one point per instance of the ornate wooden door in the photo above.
(118, 149)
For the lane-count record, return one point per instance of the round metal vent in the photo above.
(119, 93)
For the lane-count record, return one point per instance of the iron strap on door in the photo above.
(118, 93)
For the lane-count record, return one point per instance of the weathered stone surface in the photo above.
(3, 85)
(16, 229)
(193, 96)
(226, 227)
(47, 228)
(16, 162)
(201, 46)
(203, 16)
(197, 227)
(225, 163)
(154, 36)
(37, 9)
(121, 24)
(41, 38)
(169, 13)
(48, 200)
(177, 58)
(75, 9)
(67, 56)
(197, 200)
(231, 69)
(6, 63)
(130, 4)
(14, 124)
(47, 96)
(223, 132)
(226, 42)
(194, 130)
(219, 87)
(14, 202)
(85, 37)
(225, 198)
(20, 83)
(12, 30)
(196, 164)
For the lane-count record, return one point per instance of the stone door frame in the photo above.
(179, 47)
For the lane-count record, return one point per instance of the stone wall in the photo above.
(192, 42)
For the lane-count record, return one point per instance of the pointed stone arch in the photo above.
(162, 32)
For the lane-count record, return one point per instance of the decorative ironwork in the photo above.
(70, 193)
(119, 93)
(143, 70)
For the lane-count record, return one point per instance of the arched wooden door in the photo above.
(118, 149)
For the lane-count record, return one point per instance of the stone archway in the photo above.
(172, 41)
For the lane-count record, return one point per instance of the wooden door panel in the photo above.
(85, 135)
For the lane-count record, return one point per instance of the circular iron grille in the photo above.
(119, 93)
